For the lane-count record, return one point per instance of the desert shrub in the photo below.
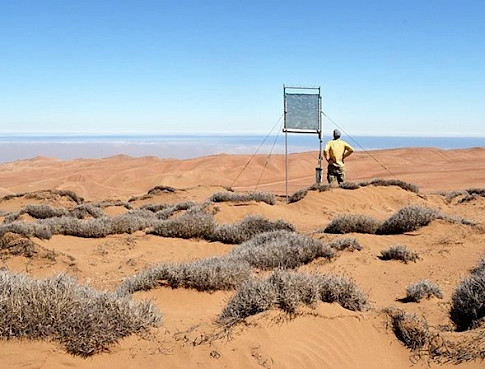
(12, 216)
(345, 243)
(169, 211)
(88, 228)
(280, 249)
(353, 223)
(44, 211)
(250, 226)
(27, 229)
(300, 194)
(105, 204)
(82, 210)
(399, 252)
(71, 194)
(476, 191)
(216, 273)
(188, 225)
(297, 196)
(417, 291)
(349, 185)
(407, 219)
(287, 290)
(155, 207)
(14, 244)
(157, 189)
(266, 197)
(83, 320)
(134, 220)
(468, 300)
(391, 182)
(410, 329)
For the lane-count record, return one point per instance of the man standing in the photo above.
(335, 152)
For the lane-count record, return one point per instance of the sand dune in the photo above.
(323, 336)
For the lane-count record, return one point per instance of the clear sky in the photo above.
(385, 67)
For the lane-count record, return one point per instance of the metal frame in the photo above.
(318, 131)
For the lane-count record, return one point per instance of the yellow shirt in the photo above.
(336, 151)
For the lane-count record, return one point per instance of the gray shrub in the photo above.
(27, 229)
(341, 244)
(399, 252)
(349, 185)
(250, 226)
(83, 210)
(468, 300)
(300, 194)
(407, 219)
(391, 182)
(353, 223)
(188, 225)
(287, 290)
(410, 329)
(43, 211)
(417, 291)
(83, 320)
(266, 197)
(216, 273)
(281, 249)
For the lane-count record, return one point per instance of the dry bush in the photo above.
(195, 224)
(407, 219)
(287, 290)
(83, 210)
(468, 300)
(250, 226)
(14, 244)
(44, 211)
(417, 291)
(157, 189)
(353, 223)
(341, 244)
(155, 207)
(216, 273)
(349, 185)
(399, 252)
(266, 197)
(28, 229)
(410, 329)
(84, 320)
(172, 209)
(391, 182)
(105, 204)
(300, 194)
(88, 228)
(280, 249)
(134, 220)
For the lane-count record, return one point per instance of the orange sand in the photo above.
(327, 336)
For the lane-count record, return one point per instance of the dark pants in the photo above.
(335, 174)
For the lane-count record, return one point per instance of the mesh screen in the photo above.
(302, 112)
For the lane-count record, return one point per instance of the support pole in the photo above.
(286, 164)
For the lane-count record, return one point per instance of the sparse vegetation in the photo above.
(407, 219)
(84, 210)
(468, 300)
(157, 189)
(341, 244)
(399, 252)
(287, 290)
(353, 223)
(390, 182)
(14, 244)
(281, 249)
(83, 320)
(417, 291)
(216, 273)
(410, 329)
(188, 225)
(250, 226)
(300, 194)
(266, 197)
(349, 185)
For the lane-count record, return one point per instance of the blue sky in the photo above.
(385, 67)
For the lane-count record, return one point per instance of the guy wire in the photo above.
(267, 159)
(358, 144)
(262, 143)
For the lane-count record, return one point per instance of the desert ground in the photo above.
(191, 332)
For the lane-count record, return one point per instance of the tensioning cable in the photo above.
(268, 157)
(257, 150)
(358, 144)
